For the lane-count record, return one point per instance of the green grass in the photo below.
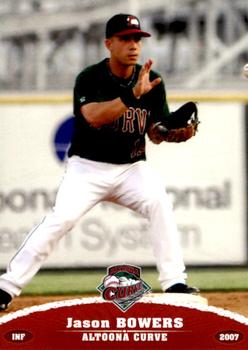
(78, 282)
(228, 279)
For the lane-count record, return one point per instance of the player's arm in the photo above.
(100, 113)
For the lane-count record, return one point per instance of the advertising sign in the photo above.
(205, 178)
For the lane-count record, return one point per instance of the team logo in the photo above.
(132, 21)
(123, 286)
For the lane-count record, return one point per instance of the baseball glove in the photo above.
(180, 126)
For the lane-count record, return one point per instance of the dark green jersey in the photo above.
(122, 141)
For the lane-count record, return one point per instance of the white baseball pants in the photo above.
(84, 184)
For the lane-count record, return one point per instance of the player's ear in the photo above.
(108, 44)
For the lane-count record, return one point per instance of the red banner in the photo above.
(91, 323)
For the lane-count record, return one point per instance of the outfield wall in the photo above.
(205, 177)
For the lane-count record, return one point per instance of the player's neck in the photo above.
(120, 70)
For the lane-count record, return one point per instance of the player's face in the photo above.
(125, 50)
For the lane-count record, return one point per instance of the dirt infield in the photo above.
(232, 301)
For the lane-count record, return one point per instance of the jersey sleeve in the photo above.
(85, 89)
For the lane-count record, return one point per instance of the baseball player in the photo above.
(115, 103)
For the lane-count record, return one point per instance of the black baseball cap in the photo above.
(123, 24)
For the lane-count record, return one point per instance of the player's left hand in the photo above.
(180, 126)
(144, 85)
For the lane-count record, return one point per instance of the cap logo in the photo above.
(132, 21)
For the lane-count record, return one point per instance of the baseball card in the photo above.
(124, 172)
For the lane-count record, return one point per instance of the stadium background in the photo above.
(200, 48)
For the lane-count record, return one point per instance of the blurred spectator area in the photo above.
(195, 43)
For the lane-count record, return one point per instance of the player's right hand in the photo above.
(144, 85)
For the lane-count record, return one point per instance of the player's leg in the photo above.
(80, 189)
(143, 191)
